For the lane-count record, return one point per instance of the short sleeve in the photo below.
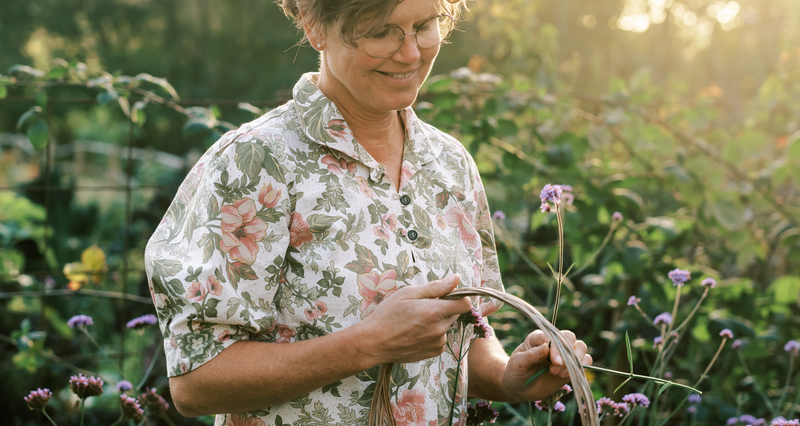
(215, 260)
(482, 222)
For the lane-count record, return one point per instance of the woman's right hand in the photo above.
(411, 324)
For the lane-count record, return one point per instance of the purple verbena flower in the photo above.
(131, 409)
(539, 405)
(751, 420)
(636, 399)
(559, 406)
(668, 375)
(37, 399)
(80, 321)
(726, 333)
(780, 421)
(736, 344)
(665, 318)
(551, 193)
(692, 409)
(481, 412)
(154, 403)
(124, 386)
(633, 300)
(142, 321)
(695, 399)
(679, 276)
(566, 388)
(621, 409)
(481, 327)
(545, 208)
(732, 421)
(709, 282)
(85, 387)
(616, 217)
(792, 347)
(498, 215)
(658, 341)
(606, 407)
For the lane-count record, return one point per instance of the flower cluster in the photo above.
(85, 387)
(481, 412)
(554, 194)
(679, 276)
(37, 399)
(124, 386)
(736, 344)
(130, 408)
(709, 282)
(792, 347)
(633, 300)
(636, 400)
(726, 333)
(780, 421)
(80, 321)
(154, 403)
(745, 419)
(665, 318)
(473, 318)
(606, 407)
(498, 216)
(616, 217)
(142, 322)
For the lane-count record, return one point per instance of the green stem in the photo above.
(83, 409)
(674, 309)
(517, 415)
(638, 376)
(167, 419)
(755, 382)
(97, 345)
(786, 385)
(599, 249)
(458, 372)
(149, 368)
(48, 417)
(550, 416)
(796, 400)
(691, 314)
(560, 277)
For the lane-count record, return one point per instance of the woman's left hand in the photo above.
(535, 354)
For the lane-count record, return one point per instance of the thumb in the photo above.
(439, 288)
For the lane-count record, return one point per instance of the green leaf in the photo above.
(28, 117)
(196, 125)
(107, 97)
(250, 159)
(3, 91)
(535, 376)
(729, 213)
(628, 347)
(319, 223)
(39, 134)
(786, 289)
(211, 308)
(166, 267)
(621, 385)
(665, 387)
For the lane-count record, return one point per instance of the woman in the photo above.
(310, 246)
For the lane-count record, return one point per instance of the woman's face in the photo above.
(362, 84)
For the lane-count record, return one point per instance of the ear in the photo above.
(315, 37)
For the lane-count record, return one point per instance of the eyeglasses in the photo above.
(387, 41)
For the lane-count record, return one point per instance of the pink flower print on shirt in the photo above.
(390, 222)
(196, 292)
(214, 286)
(381, 233)
(440, 222)
(242, 420)
(189, 186)
(405, 174)
(268, 196)
(241, 229)
(317, 311)
(311, 314)
(457, 219)
(338, 167)
(321, 307)
(299, 232)
(225, 335)
(410, 408)
(363, 186)
(337, 128)
(375, 288)
(285, 334)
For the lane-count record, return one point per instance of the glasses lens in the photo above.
(429, 33)
(384, 42)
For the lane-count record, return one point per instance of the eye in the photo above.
(382, 33)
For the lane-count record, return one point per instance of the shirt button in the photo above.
(405, 200)
(412, 235)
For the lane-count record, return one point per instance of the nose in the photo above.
(409, 51)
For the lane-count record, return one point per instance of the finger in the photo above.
(580, 348)
(570, 336)
(587, 360)
(435, 289)
(535, 339)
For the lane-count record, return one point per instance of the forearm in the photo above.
(487, 363)
(251, 375)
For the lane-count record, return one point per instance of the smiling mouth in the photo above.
(396, 75)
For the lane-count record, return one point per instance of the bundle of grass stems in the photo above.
(381, 412)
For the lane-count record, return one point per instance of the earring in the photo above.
(319, 45)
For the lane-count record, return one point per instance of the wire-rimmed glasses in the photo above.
(388, 40)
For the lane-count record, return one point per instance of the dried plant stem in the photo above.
(560, 277)
(639, 376)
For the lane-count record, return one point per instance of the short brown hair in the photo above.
(325, 13)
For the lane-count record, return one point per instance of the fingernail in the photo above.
(558, 360)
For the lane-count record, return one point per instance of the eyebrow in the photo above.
(415, 23)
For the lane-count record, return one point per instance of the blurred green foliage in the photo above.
(689, 130)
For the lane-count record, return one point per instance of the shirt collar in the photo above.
(321, 121)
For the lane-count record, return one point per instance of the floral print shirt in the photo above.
(287, 229)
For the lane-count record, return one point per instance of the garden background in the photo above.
(683, 115)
